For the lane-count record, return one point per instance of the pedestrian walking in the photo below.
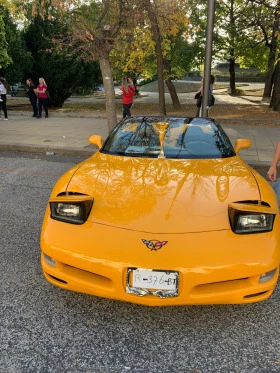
(42, 98)
(3, 101)
(128, 94)
(31, 93)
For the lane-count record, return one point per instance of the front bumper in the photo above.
(214, 267)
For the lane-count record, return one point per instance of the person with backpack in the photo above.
(199, 96)
(128, 95)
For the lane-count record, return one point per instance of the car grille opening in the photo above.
(254, 202)
(91, 278)
(255, 295)
(57, 279)
(69, 193)
(217, 287)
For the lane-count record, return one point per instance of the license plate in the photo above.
(150, 279)
(147, 281)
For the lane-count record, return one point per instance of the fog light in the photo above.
(267, 276)
(50, 260)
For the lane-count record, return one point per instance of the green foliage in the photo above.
(147, 81)
(62, 69)
(257, 56)
(180, 56)
(196, 32)
(135, 50)
(5, 60)
(21, 60)
(237, 31)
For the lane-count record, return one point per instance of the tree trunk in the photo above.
(173, 93)
(170, 86)
(275, 98)
(271, 59)
(108, 82)
(232, 74)
(269, 75)
(157, 39)
(231, 58)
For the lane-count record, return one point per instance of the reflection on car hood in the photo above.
(164, 195)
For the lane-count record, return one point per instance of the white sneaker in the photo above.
(5, 119)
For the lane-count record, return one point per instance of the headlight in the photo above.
(244, 222)
(254, 223)
(71, 211)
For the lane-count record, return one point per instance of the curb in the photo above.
(54, 114)
(48, 150)
(86, 152)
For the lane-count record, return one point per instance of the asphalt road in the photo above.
(45, 329)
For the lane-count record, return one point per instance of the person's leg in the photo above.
(45, 104)
(46, 108)
(4, 106)
(129, 106)
(34, 107)
(124, 110)
(40, 104)
(127, 110)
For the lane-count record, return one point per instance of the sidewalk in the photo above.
(67, 134)
(61, 134)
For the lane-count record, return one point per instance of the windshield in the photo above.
(169, 137)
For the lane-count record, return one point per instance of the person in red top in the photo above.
(128, 94)
(42, 97)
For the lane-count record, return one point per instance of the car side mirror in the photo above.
(96, 140)
(242, 144)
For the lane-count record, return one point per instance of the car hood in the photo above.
(164, 195)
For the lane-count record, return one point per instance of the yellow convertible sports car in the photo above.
(164, 213)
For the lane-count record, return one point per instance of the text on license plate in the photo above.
(150, 279)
